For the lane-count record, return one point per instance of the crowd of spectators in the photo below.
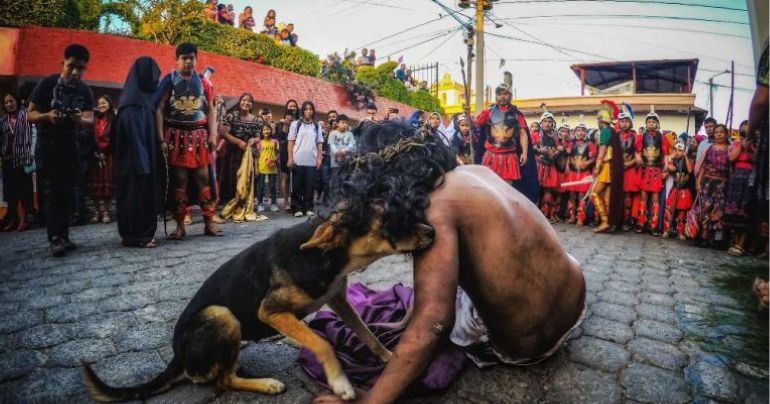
(283, 33)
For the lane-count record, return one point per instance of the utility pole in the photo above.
(479, 55)
(711, 91)
(469, 42)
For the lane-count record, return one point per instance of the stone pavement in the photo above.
(663, 324)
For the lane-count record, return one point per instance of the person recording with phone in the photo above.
(61, 105)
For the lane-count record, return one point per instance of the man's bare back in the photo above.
(528, 291)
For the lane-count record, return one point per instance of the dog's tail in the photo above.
(100, 391)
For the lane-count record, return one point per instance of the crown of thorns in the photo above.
(387, 153)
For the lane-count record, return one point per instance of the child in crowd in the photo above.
(341, 144)
(267, 167)
(679, 201)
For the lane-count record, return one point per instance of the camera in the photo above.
(67, 105)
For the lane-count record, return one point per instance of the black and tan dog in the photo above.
(265, 290)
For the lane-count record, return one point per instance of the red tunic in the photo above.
(503, 161)
(651, 176)
(188, 147)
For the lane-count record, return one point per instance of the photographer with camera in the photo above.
(61, 105)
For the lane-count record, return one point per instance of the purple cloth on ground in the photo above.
(384, 313)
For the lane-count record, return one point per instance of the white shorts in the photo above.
(471, 333)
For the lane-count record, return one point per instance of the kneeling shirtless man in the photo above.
(521, 292)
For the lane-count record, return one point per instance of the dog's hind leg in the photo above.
(339, 303)
(288, 325)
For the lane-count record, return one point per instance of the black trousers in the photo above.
(302, 183)
(17, 187)
(60, 164)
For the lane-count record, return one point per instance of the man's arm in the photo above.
(435, 290)
(35, 116)
(524, 141)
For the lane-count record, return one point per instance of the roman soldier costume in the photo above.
(680, 200)
(500, 127)
(546, 153)
(652, 148)
(579, 152)
(631, 171)
(185, 120)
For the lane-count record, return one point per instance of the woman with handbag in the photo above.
(17, 153)
(706, 218)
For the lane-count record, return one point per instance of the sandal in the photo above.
(212, 230)
(177, 234)
(106, 217)
(150, 244)
(95, 218)
(736, 251)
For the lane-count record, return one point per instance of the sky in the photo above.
(539, 39)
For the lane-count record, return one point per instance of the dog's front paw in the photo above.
(273, 386)
(341, 386)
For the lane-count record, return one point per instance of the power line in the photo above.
(419, 43)
(639, 16)
(422, 24)
(534, 37)
(652, 27)
(373, 3)
(655, 45)
(439, 45)
(667, 3)
(538, 43)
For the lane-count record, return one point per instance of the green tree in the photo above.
(31, 12)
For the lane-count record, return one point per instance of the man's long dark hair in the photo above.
(395, 170)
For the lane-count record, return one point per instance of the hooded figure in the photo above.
(141, 173)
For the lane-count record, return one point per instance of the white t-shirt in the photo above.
(305, 137)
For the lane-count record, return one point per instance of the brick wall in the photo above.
(37, 51)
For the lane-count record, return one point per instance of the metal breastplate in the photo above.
(628, 145)
(547, 141)
(652, 149)
(579, 153)
(502, 128)
(187, 104)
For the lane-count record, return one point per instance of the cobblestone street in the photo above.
(667, 322)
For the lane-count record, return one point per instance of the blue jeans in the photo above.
(271, 179)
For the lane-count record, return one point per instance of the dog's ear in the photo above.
(326, 237)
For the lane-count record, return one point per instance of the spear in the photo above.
(466, 109)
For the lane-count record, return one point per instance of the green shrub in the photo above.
(396, 91)
(238, 43)
(425, 101)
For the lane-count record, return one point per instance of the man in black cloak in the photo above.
(140, 167)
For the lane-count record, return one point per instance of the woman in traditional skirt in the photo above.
(708, 209)
(238, 127)
(582, 155)
(17, 154)
(741, 155)
(101, 183)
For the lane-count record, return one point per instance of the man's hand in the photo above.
(52, 116)
(213, 143)
(318, 163)
(163, 149)
(523, 159)
(243, 145)
(290, 162)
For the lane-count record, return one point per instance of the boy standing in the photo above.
(60, 105)
(341, 145)
(185, 121)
